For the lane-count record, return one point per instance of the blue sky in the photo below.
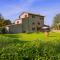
(11, 9)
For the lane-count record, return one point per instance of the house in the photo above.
(27, 22)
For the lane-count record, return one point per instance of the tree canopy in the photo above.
(7, 22)
(3, 21)
(56, 21)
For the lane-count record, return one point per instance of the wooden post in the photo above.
(46, 34)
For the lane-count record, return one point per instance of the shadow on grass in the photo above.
(52, 36)
(8, 41)
(11, 35)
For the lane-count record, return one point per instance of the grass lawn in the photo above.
(33, 46)
(34, 36)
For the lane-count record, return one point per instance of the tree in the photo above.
(56, 21)
(1, 20)
(7, 22)
(3, 31)
(4, 22)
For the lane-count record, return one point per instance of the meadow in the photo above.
(30, 46)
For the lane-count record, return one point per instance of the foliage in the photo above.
(56, 21)
(7, 22)
(4, 22)
(3, 30)
(14, 48)
(1, 20)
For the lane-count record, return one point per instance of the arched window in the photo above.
(25, 16)
(17, 22)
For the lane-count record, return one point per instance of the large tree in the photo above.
(56, 21)
(1, 20)
(7, 22)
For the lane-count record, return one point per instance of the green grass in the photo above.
(33, 46)
(34, 36)
(26, 37)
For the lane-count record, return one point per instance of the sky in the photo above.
(11, 9)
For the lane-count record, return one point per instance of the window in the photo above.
(38, 28)
(33, 28)
(33, 16)
(17, 22)
(38, 23)
(25, 15)
(41, 18)
(33, 23)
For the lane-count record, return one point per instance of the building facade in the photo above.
(27, 22)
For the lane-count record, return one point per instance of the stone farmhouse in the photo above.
(27, 22)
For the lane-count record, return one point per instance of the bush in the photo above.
(0, 30)
(3, 31)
